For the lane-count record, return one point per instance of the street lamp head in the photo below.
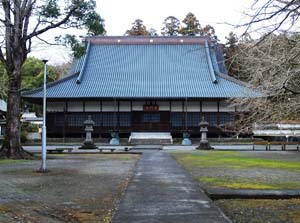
(45, 61)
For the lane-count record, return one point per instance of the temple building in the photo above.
(142, 84)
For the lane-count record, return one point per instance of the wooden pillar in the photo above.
(131, 116)
(101, 112)
(65, 120)
(186, 114)
(218, 113)
(118, 115)
(170, 115)
(115, 115)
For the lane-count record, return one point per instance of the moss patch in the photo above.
(240, 170)
(3, 209)
(235, 160)
(242, 183)
(11, 161)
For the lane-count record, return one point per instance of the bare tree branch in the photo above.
(272, 68)
(278, 13)
(58, 24)
(48, 43)
(277, 26)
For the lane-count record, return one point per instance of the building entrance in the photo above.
(151, 121)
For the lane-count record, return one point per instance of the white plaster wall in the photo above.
(109, 106)
(209, 106)
(137, 105)
(163, 105)
(125, 106)
(224, 107)
(193, 106)
(75, 106)
(176, 106)
(92, 106)
(55, 106)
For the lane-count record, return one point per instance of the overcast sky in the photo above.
(120, 14)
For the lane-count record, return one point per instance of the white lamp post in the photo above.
(44, 129)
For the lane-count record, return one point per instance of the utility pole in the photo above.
(43, 168)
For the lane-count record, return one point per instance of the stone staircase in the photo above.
(150, 138)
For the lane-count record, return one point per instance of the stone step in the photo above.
(147, 147)
(151, 141)
(150, 138)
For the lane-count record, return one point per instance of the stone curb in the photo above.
(216, 194)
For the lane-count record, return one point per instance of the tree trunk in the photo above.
(12, 141)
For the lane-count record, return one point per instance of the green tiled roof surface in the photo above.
(144, 71)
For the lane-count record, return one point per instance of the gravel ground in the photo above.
(78, 188)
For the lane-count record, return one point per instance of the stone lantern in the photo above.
(204, 144)
(88, 128)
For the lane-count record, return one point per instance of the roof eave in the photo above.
(26, 94)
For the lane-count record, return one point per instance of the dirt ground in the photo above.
(261, 210)
(78, 188)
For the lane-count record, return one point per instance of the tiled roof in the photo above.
(145, 67)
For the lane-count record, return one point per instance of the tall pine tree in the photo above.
(192, 26)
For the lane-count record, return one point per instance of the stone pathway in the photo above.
(162, 192)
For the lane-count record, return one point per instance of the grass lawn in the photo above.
(248, 170)
(243, 170)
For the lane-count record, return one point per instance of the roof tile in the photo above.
(145, 71)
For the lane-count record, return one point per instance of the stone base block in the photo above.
(115, 141)
(186, 142)
(204, 146)
(88, 146)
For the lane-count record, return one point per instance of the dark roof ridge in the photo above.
(86, 56)
(51, 84)
(119, 40)
(210, 66)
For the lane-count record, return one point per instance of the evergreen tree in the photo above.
(192, 26)
(209, 32)
(171, 26)
(153, 32)
(138, 29)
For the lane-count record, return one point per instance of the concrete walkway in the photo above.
(162, 192)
